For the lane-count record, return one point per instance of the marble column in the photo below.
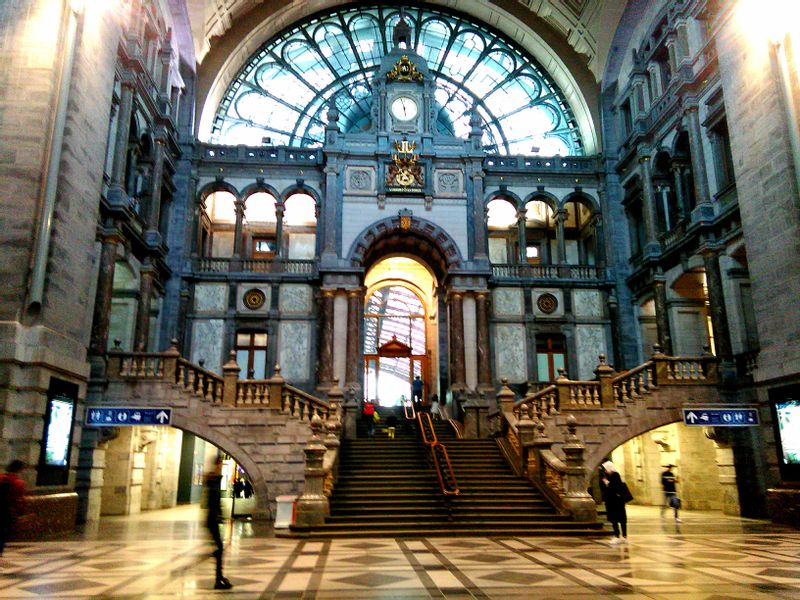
(326, 345)
(561, 243)
(649, 202)
(523, 242)
(716, 301)
(142, 332)
(484, 355)
(479, 216)
(457, 340)
(105, 287)
(280, 209)
(328, 228)
(677, 172)
(116, 189)
(355, 316)
(698, 161)
(154, 209)
(238, 206)
(662, 316)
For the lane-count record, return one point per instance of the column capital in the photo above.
(328, 292)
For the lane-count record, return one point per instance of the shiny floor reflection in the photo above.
(166, 554)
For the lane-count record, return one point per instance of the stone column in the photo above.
(355, 315)
(143, 311)
(677, 172)
(458, 379)
(523, 242)
(698, 161)
(154, 209)
(116, 190)
(326, 343)
(484, 357)
(239, 207)
(280, 209)
(102, 303)
(329, 216)
(479, 216)
(561, 243)
(662, 317)
(716, 301)
(649, 207)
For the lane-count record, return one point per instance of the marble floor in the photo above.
(166, 554)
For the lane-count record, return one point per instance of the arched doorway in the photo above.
(400, 330)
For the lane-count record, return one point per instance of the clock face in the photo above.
(404, 108)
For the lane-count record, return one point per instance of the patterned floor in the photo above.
(166, 555)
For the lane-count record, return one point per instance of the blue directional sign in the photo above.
(118, 416)
(721, 417)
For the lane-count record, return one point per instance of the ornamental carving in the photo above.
(254, 299)
(405, 173)
(547, 303)
(360, 180)
(448, 183)
(404, 70)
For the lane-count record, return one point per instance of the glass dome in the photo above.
(281, 95)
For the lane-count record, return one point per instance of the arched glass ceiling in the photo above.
(282, 93)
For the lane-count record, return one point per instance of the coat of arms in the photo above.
(405, 173)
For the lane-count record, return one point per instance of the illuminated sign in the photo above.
(59, 431)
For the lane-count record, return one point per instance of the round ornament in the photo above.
(254, 299)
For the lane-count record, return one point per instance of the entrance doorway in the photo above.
(399, 321)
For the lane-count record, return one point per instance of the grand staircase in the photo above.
(386, 488)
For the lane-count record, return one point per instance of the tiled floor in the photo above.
(166, 555)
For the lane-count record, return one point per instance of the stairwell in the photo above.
(385, 487)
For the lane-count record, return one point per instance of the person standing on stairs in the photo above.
(368, 417)
(416, 388)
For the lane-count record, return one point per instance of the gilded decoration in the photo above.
(254, 299)
(404, 70)
(547, 303)
(405, 172)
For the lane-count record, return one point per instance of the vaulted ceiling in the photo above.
(587, 26)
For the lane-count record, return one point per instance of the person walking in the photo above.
(368, 417)
(12, 500)
(214, 520)
(615, 495)
(671, 500)
(416, 389)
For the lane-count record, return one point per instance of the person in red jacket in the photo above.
(12, 500)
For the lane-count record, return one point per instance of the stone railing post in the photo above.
(275, 384)
(526, 429)
(335, 398)
(535, 463)
(576, 499)
(562, 389)
(505, 397)
(351, 415)
(230, 379)
(114, 363)
(710, 366)
(661, 365)
(312, 505)
(604, 374)
(331, 462)
(171, 361)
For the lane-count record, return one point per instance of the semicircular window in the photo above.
(281, 95)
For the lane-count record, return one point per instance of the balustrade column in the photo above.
(523, 242)
(649, 209)
(677, 172)
(355, 316)
(280, 209)
(105, 287)
(662, 316)
(459, 379)
(698, 161)
(484, 359)
(154, 209)
(116, 189)
(326, 345)
(238, 206)
(716, 301)
(561, 243)
(142, 332)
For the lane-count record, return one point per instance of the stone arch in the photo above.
(300, 188)
(216, 186)
(582, 197)
(422, 238)
(258, 187)
(540, 195)
(195, 424)
(509, 197)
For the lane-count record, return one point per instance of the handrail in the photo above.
(406, 405)
(441, 460)
(547, 394)
(631, 372)
(302, 404)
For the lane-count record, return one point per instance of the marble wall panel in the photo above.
(470, 342)
(211, 297)
(302, 246)
(222, 244)
(590, 341)
(295, 298)
(207, 338)
(587, 303)
(340, 319)
(294, 350)
(558, 312)
(508, 302)
(510, 352)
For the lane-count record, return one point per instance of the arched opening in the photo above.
(218, 225)
(260, 225)
(580, 243)
(540, 233)
(503, 233)
(400, 330)
(300, 227)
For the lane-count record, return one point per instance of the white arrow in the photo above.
(704, 417)
(162, 416)
(692, 417)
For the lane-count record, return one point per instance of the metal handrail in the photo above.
(412, 416)
(441, 461)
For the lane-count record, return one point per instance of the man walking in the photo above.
(214, 520)
(671, 499)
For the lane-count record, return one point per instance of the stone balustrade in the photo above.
(279, 266)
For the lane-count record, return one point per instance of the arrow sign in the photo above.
(721, 417)
(121, 416)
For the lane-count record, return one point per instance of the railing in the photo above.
(635, 383)
(288, 266)
(259, 154)
(524, 271)
(527, 164)
(438, 455)
(303, 405)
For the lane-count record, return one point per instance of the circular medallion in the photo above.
(254, 299)
(547, 303)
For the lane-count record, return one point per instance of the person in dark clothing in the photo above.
(416, 388)
(613, 492)
(668, 481)
(368, 417)
(12, 500)
(214, 520)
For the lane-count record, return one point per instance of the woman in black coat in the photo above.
(613, 492)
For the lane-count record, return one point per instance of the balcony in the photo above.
(277, 266)
(548, 272)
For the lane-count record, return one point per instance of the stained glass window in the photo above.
(281, 95)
